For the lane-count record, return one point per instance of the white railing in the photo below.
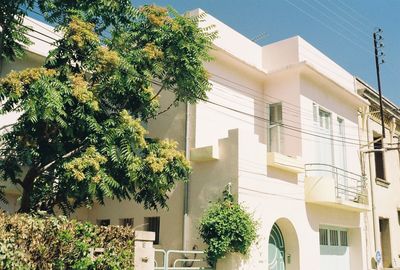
(348, 185)
(180, 260)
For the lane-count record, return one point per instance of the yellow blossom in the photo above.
(89, 161)
(136, 125)
(81, 32)
(153, 51)
(17, 81)
(156, 15)
(81, 92)
(107, 59)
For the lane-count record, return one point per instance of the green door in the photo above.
(276, 249)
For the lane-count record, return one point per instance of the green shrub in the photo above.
(28, 242)
(227, 227)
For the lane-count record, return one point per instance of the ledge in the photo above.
(284, 162)
(206, 153)
(382, 182)
(145, 236)
(321, 190)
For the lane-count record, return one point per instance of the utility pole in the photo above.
(378, 45)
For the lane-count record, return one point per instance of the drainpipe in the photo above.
(185, 235)
(1, 49)
(372, 189)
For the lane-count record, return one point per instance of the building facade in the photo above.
(289, 131)
(382, 165)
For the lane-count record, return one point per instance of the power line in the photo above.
(328, 26)
(329, 17)
(342, 18)
(289, 127)
(262, 112)
(290, 104)
(355, 12)
(390, 66)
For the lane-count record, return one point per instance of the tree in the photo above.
(79, 136)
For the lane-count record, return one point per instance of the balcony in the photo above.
(334, 187)
(284, 162)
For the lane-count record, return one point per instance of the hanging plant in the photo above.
(227, 227)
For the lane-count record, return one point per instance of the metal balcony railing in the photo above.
(349, 186)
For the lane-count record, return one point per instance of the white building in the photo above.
(281, 126)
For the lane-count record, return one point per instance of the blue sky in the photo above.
(342, 29)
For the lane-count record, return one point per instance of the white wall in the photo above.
(232, 89)
(231, 41)
(313, 90)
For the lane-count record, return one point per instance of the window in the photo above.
(315, 112)
(333, 238)
(323, 237)
(343, 239)
(275, 127)
(126, 222)
(379, 164)
(103, 222)
(398, 215)
(323, 150)
(152, 224)
(324, 120)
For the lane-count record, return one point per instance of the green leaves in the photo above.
(226, 227)
(79, 130)
(35, 242)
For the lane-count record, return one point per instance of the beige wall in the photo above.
(169, 125)
(386, 198)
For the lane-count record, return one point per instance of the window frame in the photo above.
(148, 223)
(102, 221)
(122, 222)
(341, 235)
(377, 144)
(278, 124)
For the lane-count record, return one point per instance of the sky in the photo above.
(341, 29)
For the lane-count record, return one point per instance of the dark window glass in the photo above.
(153, 225)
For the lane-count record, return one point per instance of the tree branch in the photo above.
(48, 165)
(158, 93)
(6, 126)
(163, 111)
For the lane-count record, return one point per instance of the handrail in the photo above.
(336, 173)
(333, 167)
(355, 190)
(166, 257)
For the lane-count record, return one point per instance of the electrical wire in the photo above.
(329, 17)
(329, 27)
(289, 127)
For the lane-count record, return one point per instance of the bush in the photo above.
(226, 227)
(29, 242)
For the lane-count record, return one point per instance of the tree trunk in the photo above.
(27, 185)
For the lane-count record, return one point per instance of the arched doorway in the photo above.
(283, 246)
(276, 249)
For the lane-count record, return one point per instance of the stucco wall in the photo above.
(320, 93)
(169, 125)
(386, 199)
(230, 40)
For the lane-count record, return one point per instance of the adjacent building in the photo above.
(295, 138)
(380, 158)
